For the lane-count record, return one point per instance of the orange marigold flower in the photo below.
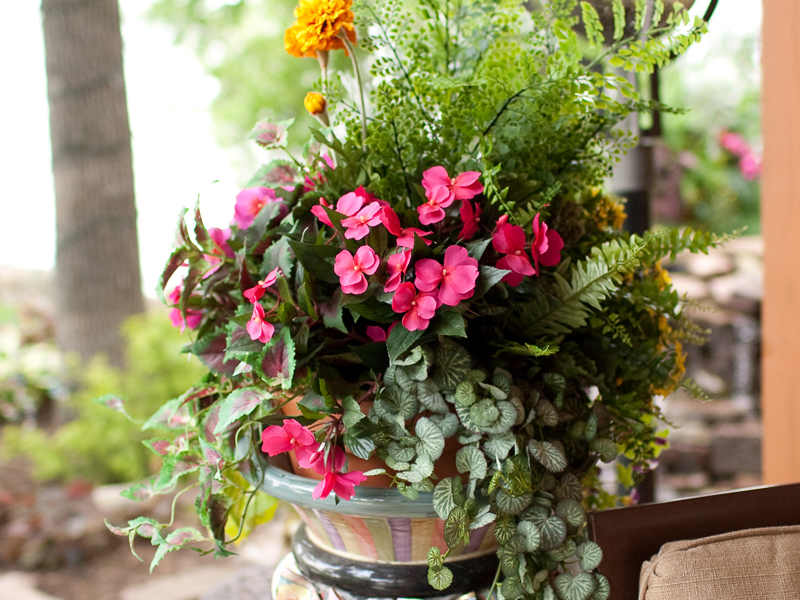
(314, 103)
(317, 27)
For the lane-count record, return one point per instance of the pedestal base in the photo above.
(314, 574)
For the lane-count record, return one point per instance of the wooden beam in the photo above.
(780, 218)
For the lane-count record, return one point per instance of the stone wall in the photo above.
(716, 445)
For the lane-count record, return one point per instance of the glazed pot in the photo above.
(377, 544)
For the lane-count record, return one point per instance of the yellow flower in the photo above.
(608, 213)
(314, 103)
(661, 276)
(317, 27)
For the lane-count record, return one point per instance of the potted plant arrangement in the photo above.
(438, 297)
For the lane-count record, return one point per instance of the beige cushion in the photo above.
(757, 564)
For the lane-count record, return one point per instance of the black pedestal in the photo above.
(387, 580)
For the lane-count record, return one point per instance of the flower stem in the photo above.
(357, 72)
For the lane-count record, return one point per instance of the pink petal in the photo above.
(429, 274)
(376, 334)
(349, 204)
(430, 214)
(426, 306)
(356, 288)
(403, 297)
(553, 255)
(435, 176)
(367, 259)
(300, 434)
(357, 232)
(413, 322)
(320, 212)
(344, 263)
(324, 487)
(275, 441)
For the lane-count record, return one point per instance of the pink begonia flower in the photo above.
(254, 293)
(433, 210)
(419, 307)
(396, 266)
(405, 237)
(352, 269)
(471, 217)
(291, 436)
(462, 187)
(220, 238)
(348, 205)
(457, 276)
(193, 317)
(311, 184)
(750, 166)
(249, 202)
(311, 457)
(510, 240)
(341, 484)
(734, 143)
(358, 225)
(258, 328)
(546, 246)
(378, 334)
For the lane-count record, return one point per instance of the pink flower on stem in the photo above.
(352, 269)
(405, 237)
(358, 225)
(291, 436)
(257, 327)
(193, 317)
(462, 187)
(734, 143)
(220, 238)
(510, 240)
(419, 307)
(249, 202)
(341, 484)
(312, 457)
(254, 293)
(396, 266)
(547, 245)
(457, 276)
(378, 334)
(433, 210)
(471, 217)
(348, 205)
(311, 184)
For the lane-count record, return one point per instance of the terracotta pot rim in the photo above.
(373, 502)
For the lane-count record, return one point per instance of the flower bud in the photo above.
(314, 103)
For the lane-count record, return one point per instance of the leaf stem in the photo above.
(357, 71)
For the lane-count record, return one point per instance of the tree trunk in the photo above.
(97, 255)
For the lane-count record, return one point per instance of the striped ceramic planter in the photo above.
(377, 525)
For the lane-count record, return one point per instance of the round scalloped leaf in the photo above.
(498, 446)
(496, 392)
(530, 533)
(447, 494)
(484, 413)
(569, 487)
(590, 431)
(456, 527)
(578, 587)
(452, 364)
(548, 593)
(403, 380)
(441, 578)
(605, 448)
(447, 423)
(535, 514)
(550, 456)
(463, 413)
(554, 531)
(465, 394)
(571, 511)
(512, 504)
(435, 558)
(546, 412)
(590, 554)
(399, 403)
(603, 589)
(511, 588)
(564, 552)
(502, 380)
(401, 453)
(470, 459)
(429, 396)
(414, 357)
(509, 561)
(508, 416)
(431, 440)
(505, 529)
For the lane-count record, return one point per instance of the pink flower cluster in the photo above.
(258, 327)
(749, 159)
(193, 316)
(509, 240)
(293, 437)
(448, 281)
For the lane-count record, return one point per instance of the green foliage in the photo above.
(99, 444)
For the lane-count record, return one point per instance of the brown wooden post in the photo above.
(780, 217)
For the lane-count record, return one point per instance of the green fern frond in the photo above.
(669, 242)
(592, 281)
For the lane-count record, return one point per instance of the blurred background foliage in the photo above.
(93, 442)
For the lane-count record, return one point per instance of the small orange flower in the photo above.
(314, 103)
(317, 27)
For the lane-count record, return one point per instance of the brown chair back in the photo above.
(631, 535)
